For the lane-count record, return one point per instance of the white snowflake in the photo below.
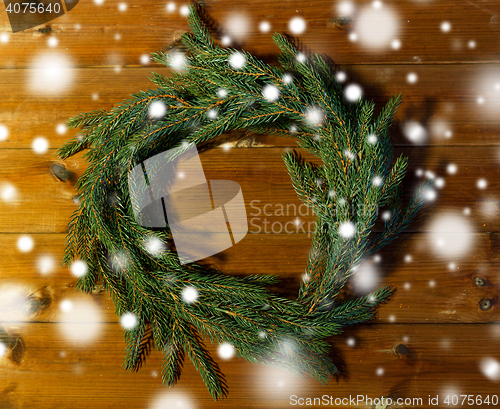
(171, 7)
(379, 371)
(301, 58)
(372, 139)
(128, 320)
(225, 350)
(144, 59)
(122, 7)
(237, 25)
(351, 342)
(377, 181)
(3, 349)
(40, 145)
(396, 44)
(341, 76)
(347, 229)
(154, 246)
(25, 244)
(212, 113)
(157, 109)
(372, 33)
(52, 41)
(481, 183)
(439, 183)
(184, 10)
(297, 25)
(490, 368)
(450, 235)
(353, 92)
(345, 8)
(408, 258)
(367, 277)
(177, 61)
(222, 93)
(264, 26)
(4, 38)
(237, 60)
(386, 215)
(445, 26)
(4, 132)
(51, 73)
(414, 132)
(46, 264)
(287, 78)
(189, 295)
(412, 78)
(472, 44)
(8, 192)
(314, 116)
(271, 92)
(78, 268)
(451, 168)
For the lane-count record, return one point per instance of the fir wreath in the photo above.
(353, 149)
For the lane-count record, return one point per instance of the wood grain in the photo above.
(451, 116)
(148, 27)
(428, 290)
(435, 310)
(53, 371)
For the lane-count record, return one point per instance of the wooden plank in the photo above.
(88, 33)
(45, 204)
(450, 113)
(88, 375)
(428, 289)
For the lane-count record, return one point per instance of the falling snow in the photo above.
(237, 25)
(157, 109)
(414, 132)
(8, 192)
(225, 350)
(366, 277)
(481, 183)
(271, 92)
(341, 76)
(80, 321)
(222, 93)
(46, 264)
(154, 246)
(189, 295)
(314, 116)
(445, 26)
(490, 368)
(353, 92)
(128, 320)
(40, 145)
(4, 132)
(25, 244)
(412, 78)
(347, 230)
(374, 34)
(264, 26)
(450, 235)
(51, 74)
(237, 60)
(78, 268)
(297, 25)
(451, 168)
(177, 61)
(301, 58)
(372, 139)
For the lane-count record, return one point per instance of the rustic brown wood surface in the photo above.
(450, 345)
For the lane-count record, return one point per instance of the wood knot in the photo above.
(401, 349)
(342, 22)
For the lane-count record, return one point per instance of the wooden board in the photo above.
(435, 312)
(54, 371)
(148, 27)
(450, 118)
